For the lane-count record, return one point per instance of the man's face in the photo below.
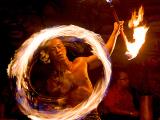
(57, 51)
(123, 78)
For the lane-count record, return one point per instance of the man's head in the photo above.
(56, 49)
(123, 78)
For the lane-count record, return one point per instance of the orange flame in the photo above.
(139, 33)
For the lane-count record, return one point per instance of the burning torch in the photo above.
(113, 10)
(139, 31)
(116, 17)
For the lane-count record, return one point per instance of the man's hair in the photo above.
(75, 47)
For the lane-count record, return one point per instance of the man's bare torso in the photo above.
(74, 85)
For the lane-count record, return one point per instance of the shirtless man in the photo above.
(70, 80)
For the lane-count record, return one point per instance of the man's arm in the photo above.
(112, 40)
(93, 61)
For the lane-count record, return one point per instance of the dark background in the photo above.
(19, 19)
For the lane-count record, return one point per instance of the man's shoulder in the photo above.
(79, 63)
(80, 59)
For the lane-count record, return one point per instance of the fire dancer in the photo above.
(70, 80)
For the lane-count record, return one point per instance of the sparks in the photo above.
(18, 68)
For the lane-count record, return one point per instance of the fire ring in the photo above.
(18, 68)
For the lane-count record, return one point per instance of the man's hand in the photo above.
(118, 27)
(134, 114)
(61, 101)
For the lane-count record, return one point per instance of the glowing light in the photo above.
(18, 68)
(109, 1)
(139, 33)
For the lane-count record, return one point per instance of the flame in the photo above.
(139, 33)
(18, 68)
(136, 19)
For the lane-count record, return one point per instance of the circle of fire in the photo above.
(18, 69)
